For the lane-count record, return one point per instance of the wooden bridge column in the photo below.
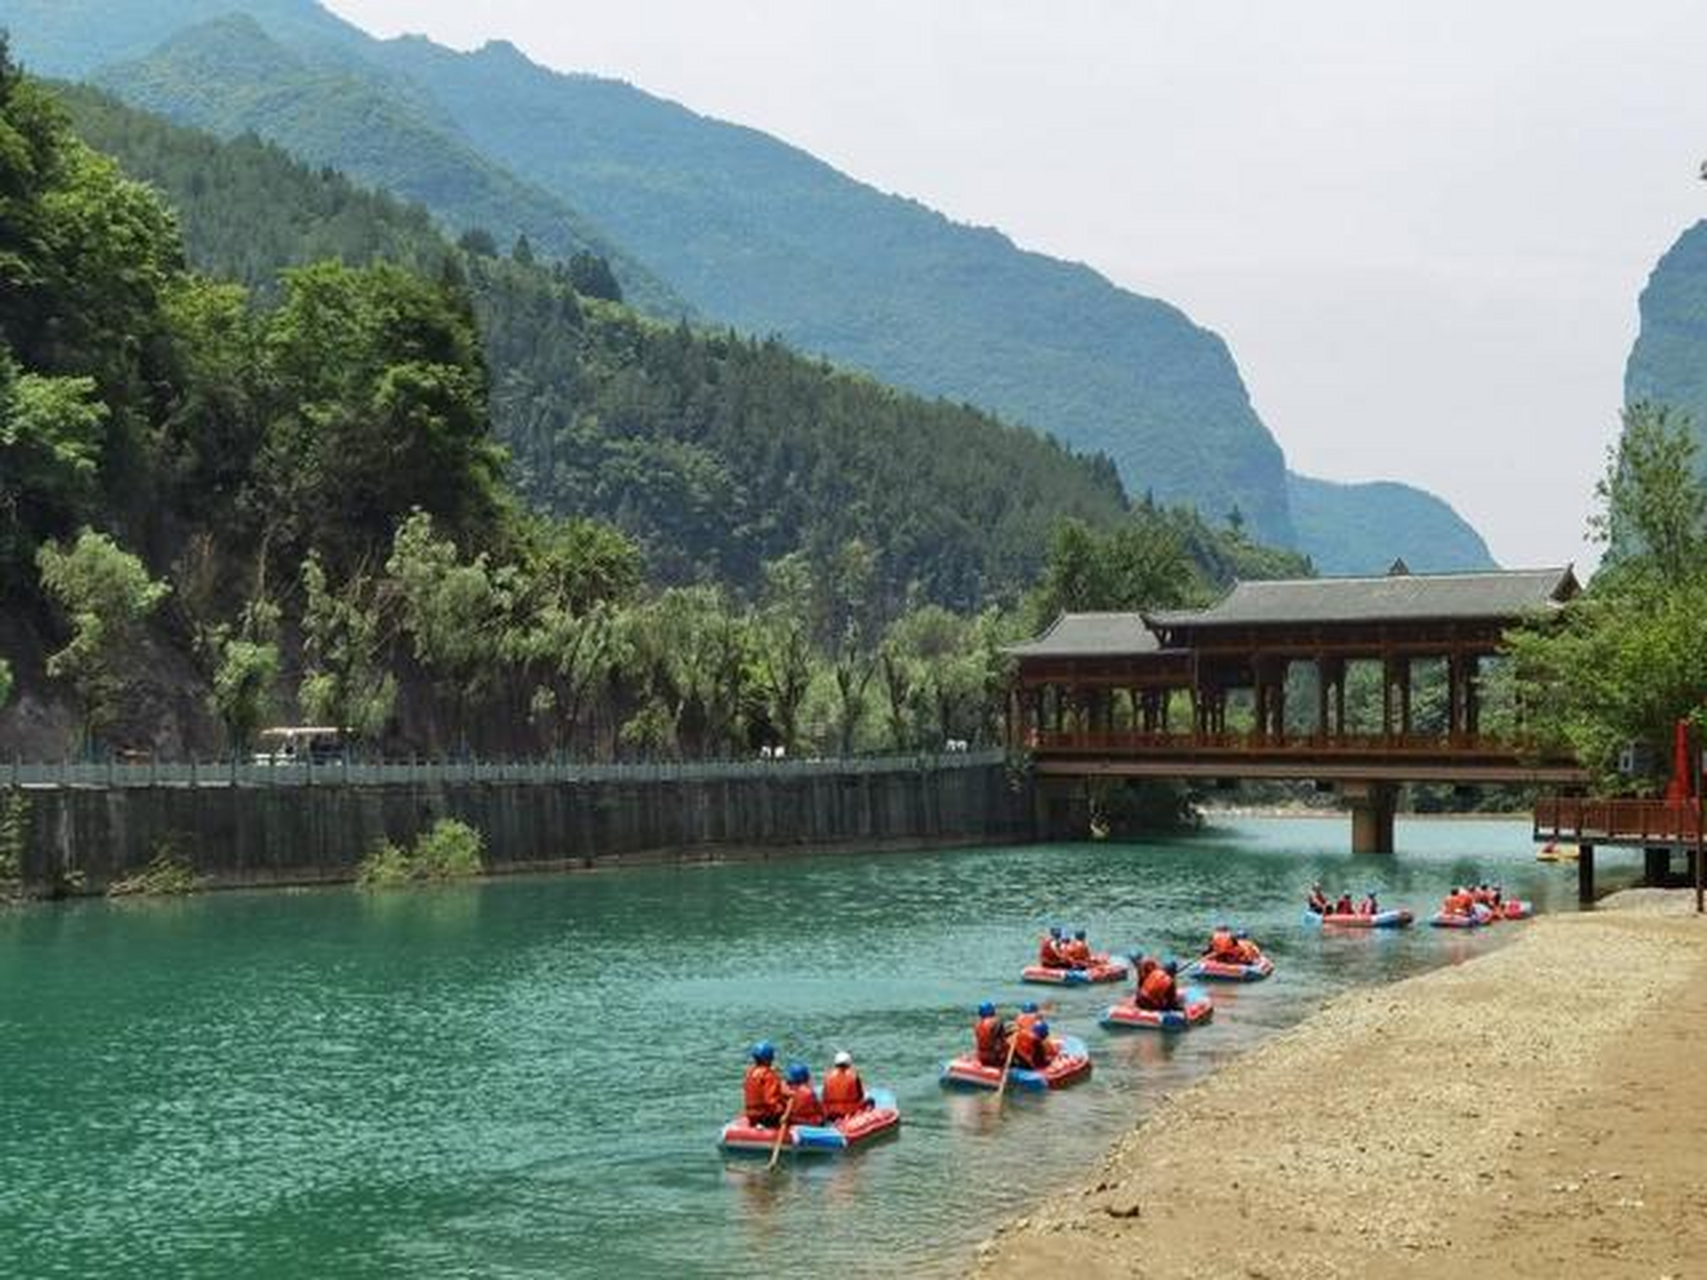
(1472, 694)
(1585, 875)
(1372, 807)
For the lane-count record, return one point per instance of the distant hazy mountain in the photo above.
(745, 228)
(1668, 364)
(1363, 528)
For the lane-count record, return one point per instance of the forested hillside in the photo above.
(752, 232)
(717, 453)
(1668, 364)
(222, 505)
(749, 231)
(228, 76)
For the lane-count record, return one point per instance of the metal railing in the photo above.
(1579, 820)
(364, 773)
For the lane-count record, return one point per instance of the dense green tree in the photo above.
(51, 436)
(346, 684)
(783, 649)
(380, 388)
(1629, 658)
(455, 612)
(245, 689)
(5, 682)
(105, 594)
(591, 277)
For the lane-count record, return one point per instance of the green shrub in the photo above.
(451, 850)
(166, 875)
(386, 866)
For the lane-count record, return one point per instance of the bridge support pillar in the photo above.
(1585, 875)
(1372, 808)
(1656, 866)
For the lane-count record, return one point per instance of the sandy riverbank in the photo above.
(1480, 1120)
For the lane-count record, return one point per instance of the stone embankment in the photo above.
(82, 838)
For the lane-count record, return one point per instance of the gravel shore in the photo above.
(1540, 1110)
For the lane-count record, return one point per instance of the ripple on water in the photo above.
(526, 1078)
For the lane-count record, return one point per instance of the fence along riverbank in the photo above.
(80, 827)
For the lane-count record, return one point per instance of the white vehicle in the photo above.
(300, 744)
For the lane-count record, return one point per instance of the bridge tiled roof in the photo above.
(1090, 635)
(1494, 596)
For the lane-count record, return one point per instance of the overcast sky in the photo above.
(1421, 226)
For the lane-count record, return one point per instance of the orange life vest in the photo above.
(1033, 1050)
(1249, 952)
(807, 1108)
(991, 1039)
(762, 1091)
(1049, 954)
(1222, 945)
(1157, 991)
(1078, 953)
(844, 1092)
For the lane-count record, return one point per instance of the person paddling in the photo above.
(807, 1109)
(1344, 907)
(1159, 990)
(1318, 903)
(843, 1092)
(1032, 1047)
(1222, 945)
(762, 1090)
(990, 1036)
(1049, 953)
(1077, 951)
(1248, 951)
(1369, 906)
(1029, 1015)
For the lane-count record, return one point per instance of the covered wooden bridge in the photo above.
(1147, 695)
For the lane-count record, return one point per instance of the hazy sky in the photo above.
(1422, 227)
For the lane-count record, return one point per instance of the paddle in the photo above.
(1007, 1066)
(782, 1130)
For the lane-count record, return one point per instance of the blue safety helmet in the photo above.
(1040, 1030)
(1170, 966)
(1242, 934)
(763, 1051)
(1030, 1006)
(1079, 934)
(1223, 927)
(986, 1010)
(798, 1073)
(1054, 931)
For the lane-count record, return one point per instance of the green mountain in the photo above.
(716, 452)
(229, 76)
(1668, 364)
(752, 232)
(1363, 528)
(746, 229)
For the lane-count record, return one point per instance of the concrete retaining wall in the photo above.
(81, 839)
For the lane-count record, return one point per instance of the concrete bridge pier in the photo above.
(1372, 807)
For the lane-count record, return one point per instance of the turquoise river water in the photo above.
(525, 1078)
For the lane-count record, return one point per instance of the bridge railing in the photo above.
(1587, 821)
(243, 773)
(1128, 742)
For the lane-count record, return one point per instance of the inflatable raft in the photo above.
(1224, 971)
(1396, 918)
(1101, 969)
(1198, 1009)
(1474, 920)
(881, 1117)
(1072, 1064)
